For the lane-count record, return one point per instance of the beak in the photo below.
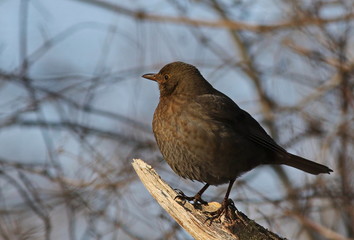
(150, 76)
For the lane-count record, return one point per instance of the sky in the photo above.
(86, 42)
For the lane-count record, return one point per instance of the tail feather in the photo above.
(304, 164)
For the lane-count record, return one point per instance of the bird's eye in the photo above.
(166, 77)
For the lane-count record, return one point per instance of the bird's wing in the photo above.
(221, 108)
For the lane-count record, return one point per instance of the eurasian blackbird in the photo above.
(205, 136)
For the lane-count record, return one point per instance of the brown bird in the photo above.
(205, 136)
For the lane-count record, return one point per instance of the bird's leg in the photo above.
(224, 209)
(196, 198)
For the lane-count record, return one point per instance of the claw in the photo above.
(226, 206)
(195, 199)
(180, 194)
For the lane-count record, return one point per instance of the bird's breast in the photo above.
(185, 146)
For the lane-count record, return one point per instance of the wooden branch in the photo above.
(193, 219)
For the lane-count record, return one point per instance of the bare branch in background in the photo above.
(74, 111)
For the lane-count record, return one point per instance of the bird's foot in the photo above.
(227, 206)
(197, 199)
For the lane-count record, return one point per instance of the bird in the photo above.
(205, 136)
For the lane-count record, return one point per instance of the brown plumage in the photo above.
(203, 135)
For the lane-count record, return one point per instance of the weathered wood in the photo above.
(193, 219)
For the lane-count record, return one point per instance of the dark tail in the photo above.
(304, 164)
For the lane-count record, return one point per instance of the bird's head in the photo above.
(179, 78)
